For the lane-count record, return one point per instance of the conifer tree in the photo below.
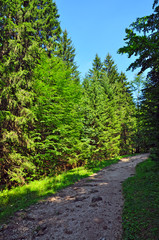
(108, 102)
(58, 123)
(96, 115)
(26, 29)
(96, 66)
(67, 52)
(123, 101)
(126, 111)
(142, 40)
(110, 68)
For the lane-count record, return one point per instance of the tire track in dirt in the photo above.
(90, 209)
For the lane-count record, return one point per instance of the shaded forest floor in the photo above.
(91, 209)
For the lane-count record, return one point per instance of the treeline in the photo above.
(49, 120)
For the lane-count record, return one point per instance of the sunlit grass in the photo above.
(22, 197)
(141, 207)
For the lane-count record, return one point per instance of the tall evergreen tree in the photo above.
(110, 68)
(116, 87)
(108, 125)
(96, 66)
(26, 29)
(99, 120)
(67, 52)
(126, 111)
(58, 123)
(142, 40)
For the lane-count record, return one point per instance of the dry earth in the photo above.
(90, 209)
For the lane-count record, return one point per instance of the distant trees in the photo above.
(109, 110)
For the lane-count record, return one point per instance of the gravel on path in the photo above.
(91, 209)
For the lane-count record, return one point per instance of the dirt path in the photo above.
(88, 210)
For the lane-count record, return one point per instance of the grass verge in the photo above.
(22, 197)
(141, 207)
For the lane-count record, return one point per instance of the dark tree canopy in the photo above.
(142, 40)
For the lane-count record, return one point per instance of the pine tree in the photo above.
(116, 87)
(96, 66)
(109, 109)
(67, 52)
(142, 40)
(27, 28)
(110, 68)
(150, 114)
(126, 109)
(95, 119)
(100, 124)
(58, 123)
(46, 24)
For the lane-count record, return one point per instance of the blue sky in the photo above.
(99, 27)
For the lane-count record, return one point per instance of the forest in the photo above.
(51, 120)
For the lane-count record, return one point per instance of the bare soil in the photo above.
(91, 209)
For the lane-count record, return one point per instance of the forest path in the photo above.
(90, 209)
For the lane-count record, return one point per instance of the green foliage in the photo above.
(58, 115)
(141, 207)
(108, 110)
(66, 51)
(140, 139)
(144, 43)
(110, 68)
(49, 122)
(27, 28)
(97, 119)
(142, 40)
(154, 154)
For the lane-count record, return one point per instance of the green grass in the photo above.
(22, 197)
(141, 207)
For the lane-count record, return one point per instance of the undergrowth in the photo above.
(19, 198)
(141, 207)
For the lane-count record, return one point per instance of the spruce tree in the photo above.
(109, 110)
(110, 68)
(27, 28)
(142, 40)
(116, 87)
(95, 108)
(126, 111)
(66, 51)
(58, 123)
(96, 66)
